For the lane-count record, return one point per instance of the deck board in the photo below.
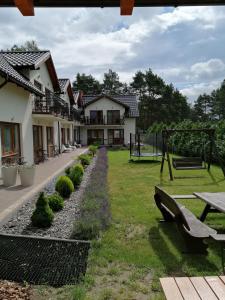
(187, 289)
(171, 289)
(194, 288)
(217, 286)
(203, 289)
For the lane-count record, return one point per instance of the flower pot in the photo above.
(9, 175)
(27, 175)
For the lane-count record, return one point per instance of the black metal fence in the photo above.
(41, 260)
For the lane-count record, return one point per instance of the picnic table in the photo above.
(194, 288)
(215, 202)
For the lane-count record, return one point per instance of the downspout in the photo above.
(59, 138)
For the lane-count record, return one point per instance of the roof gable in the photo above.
(93, 100)
(128, 101)
(12, 75)
(32, 60)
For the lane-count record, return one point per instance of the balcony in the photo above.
(53, 105)
(103, 121)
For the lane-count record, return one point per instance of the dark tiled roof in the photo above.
(26, 58)
(63, 82)
(7, 71)
(127, 100)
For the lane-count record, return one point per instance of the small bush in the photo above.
(56, 202)
(93, 149)
(85, 159)
(64, 186)
(87, 228)
(76, 175)
(67, 170)
(43, 215)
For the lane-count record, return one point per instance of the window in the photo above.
(10, 139)
(38, 85)
(96, 117)
(113, 117)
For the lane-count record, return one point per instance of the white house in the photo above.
(39, 107)
(39, 112)
(109, 120)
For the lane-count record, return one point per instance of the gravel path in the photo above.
(63, 222)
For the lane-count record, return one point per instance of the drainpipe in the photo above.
(59, 138)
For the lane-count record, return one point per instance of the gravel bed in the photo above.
(63, 222)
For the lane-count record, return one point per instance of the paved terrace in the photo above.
(12, 198)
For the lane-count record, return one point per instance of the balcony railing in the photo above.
(103, 121)
(52, 104)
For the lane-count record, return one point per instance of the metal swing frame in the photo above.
(189, 163)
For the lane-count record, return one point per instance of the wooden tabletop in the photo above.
(194, 288)
(216, 200)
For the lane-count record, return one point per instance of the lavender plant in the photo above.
(95, 208)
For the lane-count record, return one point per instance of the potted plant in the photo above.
(27, 174)
(9, 174)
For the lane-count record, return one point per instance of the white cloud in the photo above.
(193, 91)
(183, 45)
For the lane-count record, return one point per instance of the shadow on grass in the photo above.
(183, 264)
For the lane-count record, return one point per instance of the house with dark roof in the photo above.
(109, 120)
(38, 112)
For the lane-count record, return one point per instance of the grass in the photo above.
(136, 250)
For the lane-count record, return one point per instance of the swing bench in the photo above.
(188, 163)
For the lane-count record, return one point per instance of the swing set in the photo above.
(189, 163)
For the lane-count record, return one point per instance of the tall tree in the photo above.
(87, 83)
(158, 102)
(111, 83)
(27, 46)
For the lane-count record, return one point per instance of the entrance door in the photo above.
(95, 136)
(50, 145)
(115, 136)
(38, 143)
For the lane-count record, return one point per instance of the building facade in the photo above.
(40, 112)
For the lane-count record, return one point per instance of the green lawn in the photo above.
(131, 256)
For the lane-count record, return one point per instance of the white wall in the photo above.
(42, 76)
(129, 127)
(104, 104)
(16, 107)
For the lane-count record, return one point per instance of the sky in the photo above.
(184, 45)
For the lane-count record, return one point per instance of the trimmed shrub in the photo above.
(93, 149)
(85, 159)
(64, 186)
(76, 174)
(67, 170)
(43, 216)
(56, 202)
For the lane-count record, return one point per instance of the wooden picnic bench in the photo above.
(191, 228)
(194, 288)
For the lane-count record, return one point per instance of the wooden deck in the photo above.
(194, 288)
